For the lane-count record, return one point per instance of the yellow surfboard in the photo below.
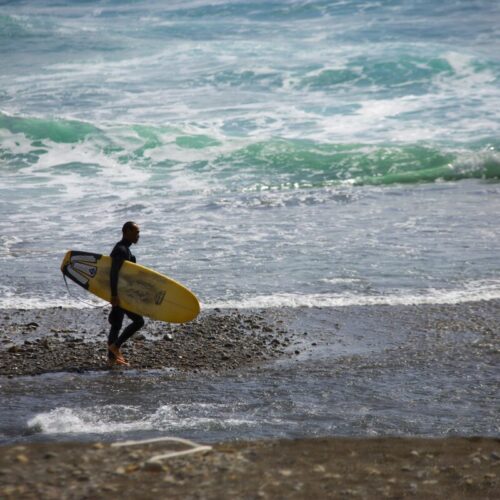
(141, 290)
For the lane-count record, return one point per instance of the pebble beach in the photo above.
(336, 468)
(75, 340)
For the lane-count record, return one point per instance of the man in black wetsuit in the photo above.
(121, 252)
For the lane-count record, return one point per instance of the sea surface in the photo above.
(312, 156)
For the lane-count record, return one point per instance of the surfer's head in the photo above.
(130, 232)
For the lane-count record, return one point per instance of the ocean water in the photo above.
(290, 154)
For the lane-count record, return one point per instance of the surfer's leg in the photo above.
(116, 320)
(137, 324)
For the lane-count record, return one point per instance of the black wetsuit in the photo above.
(121, 252)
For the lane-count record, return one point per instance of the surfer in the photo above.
(121, 252)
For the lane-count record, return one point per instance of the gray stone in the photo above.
(153, 467)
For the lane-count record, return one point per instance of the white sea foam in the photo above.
(6, 245)
(11, 299)
(15, 143)
(471, 292)
(124, 418)
(94, 420)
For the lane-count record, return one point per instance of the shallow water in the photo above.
(418, 244)
(423, 370)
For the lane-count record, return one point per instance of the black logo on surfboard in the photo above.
(81, 268)
(159, 298)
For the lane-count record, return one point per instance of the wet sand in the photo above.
(33, 342)
(452, 468)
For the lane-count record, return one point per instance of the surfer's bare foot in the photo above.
(116, 352)
(112, 362)
(121, 362)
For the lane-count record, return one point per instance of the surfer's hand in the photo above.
(115, 301)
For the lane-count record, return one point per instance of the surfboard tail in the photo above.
(65, 261)
(80, 267)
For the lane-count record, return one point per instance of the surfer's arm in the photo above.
(116, 264)
(117, 260)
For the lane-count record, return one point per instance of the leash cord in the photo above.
(79, 299)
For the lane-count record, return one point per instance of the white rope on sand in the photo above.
(195, 447)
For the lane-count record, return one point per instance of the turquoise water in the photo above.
(305, 155)
(297, 141)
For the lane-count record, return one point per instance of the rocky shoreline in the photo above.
(33, 342)
(453, 468)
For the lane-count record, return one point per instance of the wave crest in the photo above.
(234, 163)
